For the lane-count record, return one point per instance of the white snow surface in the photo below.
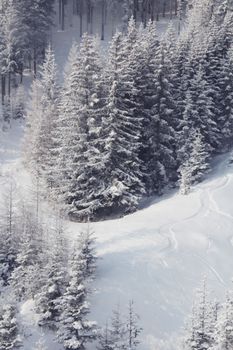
(156, 256)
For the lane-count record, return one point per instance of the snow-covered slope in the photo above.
(157, 256)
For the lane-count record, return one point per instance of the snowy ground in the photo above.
(156, 256)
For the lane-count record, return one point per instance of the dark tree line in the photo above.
(24, 33)
(141, 10)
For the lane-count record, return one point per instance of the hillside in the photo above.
(115, 128)
(156, 256)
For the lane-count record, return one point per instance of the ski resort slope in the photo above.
(156, 256)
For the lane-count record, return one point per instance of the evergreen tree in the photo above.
(201, 330)
(185, 178)
(121, 127)
(224, 327)
(49, 297)
(29, 259)
(80, 115)
(226, 86)
(202, 114)
(133, 330)
(199, 157)
(75, 330)
(142, 56)
(41, 120)
(32, 131)
(9, 331)
(49, 96)
(196, 163)
(118, 332)
(104, 341)
(9, 235)
(164, 113)
(87, 254)
(66, 135)
(121, 335)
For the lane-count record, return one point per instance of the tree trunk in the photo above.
(157, 10)
(92, 11)
(60, 10)
(164, 8)
(81, 17)
(176, 7)
(63, 15)
(9, 84)
(171, 8)
(34, 64)
(103, 19)
(3, 81)
(152, 16)
(135, 5)
(88, 14)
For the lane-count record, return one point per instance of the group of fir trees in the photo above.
(9, 329)
(211, 323)
(24, 31)
(36, 262)
(150, 114)
(121, 334)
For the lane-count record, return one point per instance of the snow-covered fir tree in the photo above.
(75, 329)
(224, 327)
(196, 163)
(33, 121)
(121, 127)
(41, 119)
(226, 80)
(27, 277)
(141, 57)
(118, 331)
(48, 299)
(133, 328)
(9, 328)
(185, 178)
(104, 340)
(114, 335)
(164, 112)
(200, 333)
(202, 115)
(87, 254)
(9, 234)
(80, 118)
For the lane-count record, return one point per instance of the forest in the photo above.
(147, 117)
(122, 123)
